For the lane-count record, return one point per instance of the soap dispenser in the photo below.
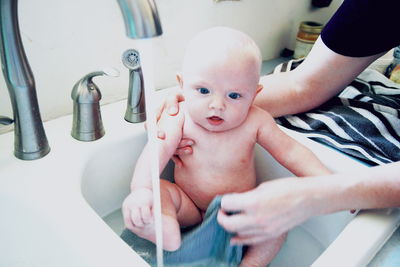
(87, 124)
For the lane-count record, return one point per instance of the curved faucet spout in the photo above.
(141, 18)
(30, 139)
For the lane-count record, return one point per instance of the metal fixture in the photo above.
(30, 141)
(5, 120)
(136, 107)
(87, 124)
(141, 18)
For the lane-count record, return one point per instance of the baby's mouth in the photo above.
(215, 120)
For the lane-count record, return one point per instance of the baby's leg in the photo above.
(177, 210)
(261, 254)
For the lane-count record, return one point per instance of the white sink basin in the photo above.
(64, 209)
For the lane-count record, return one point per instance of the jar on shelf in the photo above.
(393, 70)
(306, 36)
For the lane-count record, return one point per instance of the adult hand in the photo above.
(171, 106)
(268, 211)
(184, 148)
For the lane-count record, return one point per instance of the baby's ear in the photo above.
(179, 79)
(259, 88)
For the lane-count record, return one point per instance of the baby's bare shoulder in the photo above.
(258, 114)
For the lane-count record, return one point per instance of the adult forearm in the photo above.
(276, 206)
(322, 75)
(375, 187)
(279, 94)
(290, 93)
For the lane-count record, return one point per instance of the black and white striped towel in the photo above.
(362, 121)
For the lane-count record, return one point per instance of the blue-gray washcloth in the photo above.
(204, 245)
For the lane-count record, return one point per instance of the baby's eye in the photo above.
(203, 91)
(234, 95)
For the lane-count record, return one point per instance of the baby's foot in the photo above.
(171, 233)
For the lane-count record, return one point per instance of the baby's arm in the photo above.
(172, 126)
(137, 206)
(287, 151)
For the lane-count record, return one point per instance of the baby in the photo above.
(220, 79)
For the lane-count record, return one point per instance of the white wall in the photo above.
(66, 39)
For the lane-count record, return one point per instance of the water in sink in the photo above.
(115, 221)
(301, 249)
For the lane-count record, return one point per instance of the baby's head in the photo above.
(219, 78)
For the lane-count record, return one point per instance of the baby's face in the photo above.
(218, 94)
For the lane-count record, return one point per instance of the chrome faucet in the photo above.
(87, 124)
(141, 18)
(30, 141)
(136, 106)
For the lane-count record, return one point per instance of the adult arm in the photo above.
(323, 74)
(276, 206)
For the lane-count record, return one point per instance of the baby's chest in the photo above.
(222, 149)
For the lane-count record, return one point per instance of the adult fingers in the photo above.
(237, 201)
(159, 111)
(178, 162)
(185, 142)
(234, 223)
(187, 150)
(171, 103)
(161, 134)
(184, 148)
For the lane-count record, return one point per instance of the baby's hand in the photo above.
(137, 208)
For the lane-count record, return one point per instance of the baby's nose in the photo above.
(217, 103)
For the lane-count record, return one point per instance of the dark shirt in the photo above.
(363, 27)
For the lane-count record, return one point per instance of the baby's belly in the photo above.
(202, 184)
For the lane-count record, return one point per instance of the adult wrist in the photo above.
(327, 194)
